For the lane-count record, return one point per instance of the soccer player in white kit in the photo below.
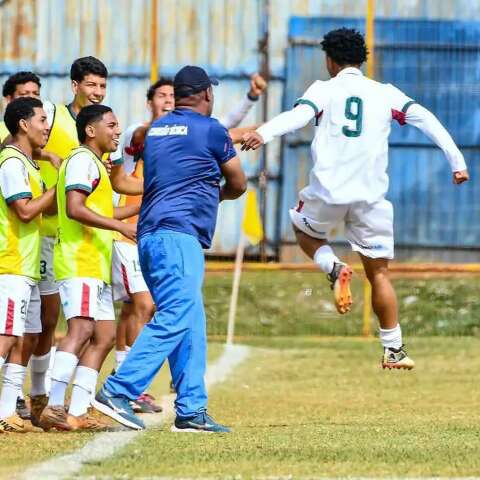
(348, 182)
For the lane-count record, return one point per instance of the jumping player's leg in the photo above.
(369, 229)
(312, 221)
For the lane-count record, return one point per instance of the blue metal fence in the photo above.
(438, 64)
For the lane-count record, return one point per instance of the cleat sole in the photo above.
(342, 292)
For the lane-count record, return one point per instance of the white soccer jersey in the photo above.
(350, 148)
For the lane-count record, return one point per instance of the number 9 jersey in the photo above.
(350, 148)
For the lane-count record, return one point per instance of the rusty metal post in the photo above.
(263, 48)
(153, 42)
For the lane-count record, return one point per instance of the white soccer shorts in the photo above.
(19, 306)
(86, 297)
(368, 227)
(127, 275)
(47, 285)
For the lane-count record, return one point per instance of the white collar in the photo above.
(351, 71)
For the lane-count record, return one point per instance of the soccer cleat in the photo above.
(396, 358)
(37, 405)
(118, 408)
(91, 421)
(202, 423)
(15, 424)
(150, 400)
(22, 409)
(54, 416)
(340, 278)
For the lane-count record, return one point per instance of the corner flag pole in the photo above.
(370, 39)
(237, 273)
(251, 231)
(153, 43)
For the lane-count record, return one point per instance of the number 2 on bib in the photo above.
(353, 112)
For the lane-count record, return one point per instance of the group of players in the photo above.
(71, 190)
(94, 256)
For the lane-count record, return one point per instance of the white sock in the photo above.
(48, 375)
(62, 372)
(391, 337)
(120, 356)
(2, 361)
(83, 389)
(325, 258)
(13, 378)
(38, 369)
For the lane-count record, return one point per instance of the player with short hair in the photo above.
(22, 201)
(349, 181)
(24, 84)
(88, 82)
(186, 154)
(127, 279)
(82, 265)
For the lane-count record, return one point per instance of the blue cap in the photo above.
(190, 80)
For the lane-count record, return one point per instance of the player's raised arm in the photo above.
(428, 123)
(233, 118)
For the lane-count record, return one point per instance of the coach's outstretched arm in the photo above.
(235, 180)
(284, 123)
(428, 123)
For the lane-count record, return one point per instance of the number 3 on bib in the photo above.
(353, 112)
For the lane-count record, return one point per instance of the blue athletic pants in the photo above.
(173, 266)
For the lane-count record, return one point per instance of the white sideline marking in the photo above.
(106, 444)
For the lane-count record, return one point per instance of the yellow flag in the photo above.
(252, 223)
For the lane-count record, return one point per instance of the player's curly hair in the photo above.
(345, 46)
(159, 83)
(19, 78)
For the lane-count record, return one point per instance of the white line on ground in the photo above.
(107, 444)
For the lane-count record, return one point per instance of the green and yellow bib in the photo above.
(4, 133)
(62, 140)
(80, 250)
(19, 241)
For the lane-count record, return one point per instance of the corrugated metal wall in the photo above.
(222, 35)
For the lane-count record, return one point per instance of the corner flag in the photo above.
(252, 223)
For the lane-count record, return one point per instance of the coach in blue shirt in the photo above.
(186, 155)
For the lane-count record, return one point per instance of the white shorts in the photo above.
(368, 227)
(19, 306)
(86, 297)
(47, 285)
(127, 275)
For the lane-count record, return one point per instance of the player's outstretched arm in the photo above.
(235, 180)
(428, 123)
(78, 210)
(284, 123)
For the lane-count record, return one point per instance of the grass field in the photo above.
(312, 407)
(300, 303)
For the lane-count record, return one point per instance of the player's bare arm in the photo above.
(27, 209)
(235, 180)
(237, 134)
(77, 210)
(121, 213)
(124, 183)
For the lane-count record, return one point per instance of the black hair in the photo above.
(88, 115)
(159, 83)
(19, 78)
(84, 66)
(21, 108)
(345, 46)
